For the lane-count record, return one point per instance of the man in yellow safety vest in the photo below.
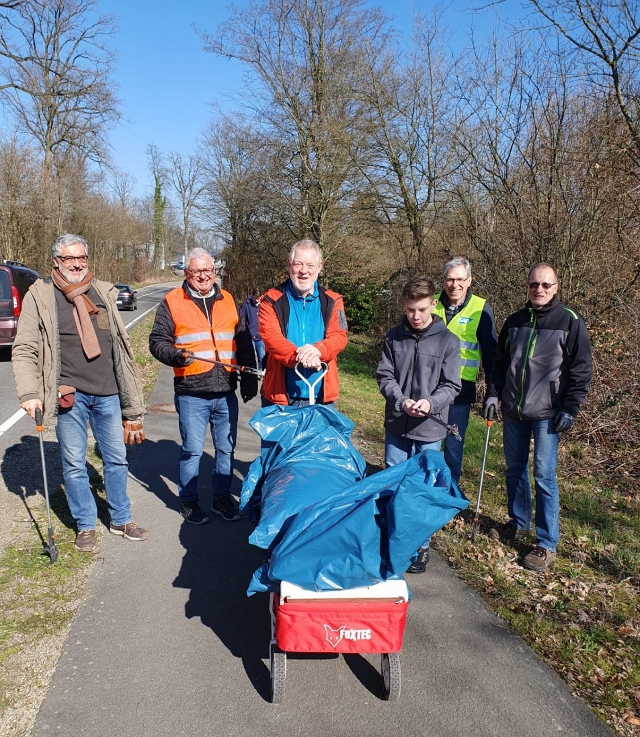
(470, 318)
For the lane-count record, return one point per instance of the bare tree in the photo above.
(411, 159)
(186, 176)
(303, 55)
(57, 81)
(606, 33)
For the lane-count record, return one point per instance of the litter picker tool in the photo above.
(50, 548)
(451, 429)
(238, 369)
(312, 387)
(476, 517)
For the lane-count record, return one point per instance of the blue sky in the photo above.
(167, 84)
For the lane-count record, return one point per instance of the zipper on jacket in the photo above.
(531, 344)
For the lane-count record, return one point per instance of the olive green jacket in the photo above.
(35, 356)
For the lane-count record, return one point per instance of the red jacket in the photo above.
(273, 318)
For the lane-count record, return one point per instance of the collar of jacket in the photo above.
(437, 322)
(194, 294)
(545, 309)
(444, 298)
(290, 290)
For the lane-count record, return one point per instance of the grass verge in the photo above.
(583, 616)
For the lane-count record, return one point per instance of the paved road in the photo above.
(166, 642)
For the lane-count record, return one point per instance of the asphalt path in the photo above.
(166, 642)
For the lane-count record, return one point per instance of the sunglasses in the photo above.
(544, 285)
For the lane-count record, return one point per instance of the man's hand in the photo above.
(416, 408)
(488, 403)
(564, 421)
(184, 358)
(309, 356)
(30, 407)
(133, 431)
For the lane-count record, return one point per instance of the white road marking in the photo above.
(133, 322)
(7, 424)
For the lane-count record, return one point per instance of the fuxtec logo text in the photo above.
(464, 320)
(344, 633)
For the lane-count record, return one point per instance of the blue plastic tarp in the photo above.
(328, 528)
(306, 457)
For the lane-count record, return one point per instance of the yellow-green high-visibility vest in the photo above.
(464, 325)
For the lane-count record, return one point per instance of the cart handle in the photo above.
(312, 387)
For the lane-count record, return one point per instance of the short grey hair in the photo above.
(454, 263)
(68, 239)
(195, 253)
(306, 243)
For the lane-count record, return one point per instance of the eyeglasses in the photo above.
(544, 285)
(201, 272)
(451, 282)
(68, 259)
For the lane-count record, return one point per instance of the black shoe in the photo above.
(419, 565)
(507, 533)
(225, 507)
(192, 513)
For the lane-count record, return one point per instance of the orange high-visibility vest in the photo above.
(193, 333)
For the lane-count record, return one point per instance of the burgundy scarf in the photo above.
(83, 307)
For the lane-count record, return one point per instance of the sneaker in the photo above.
(192, 513)
(539, 559)
(85, 541)
(130, 531)
(419, 565)
(225, 507)
(507, 533)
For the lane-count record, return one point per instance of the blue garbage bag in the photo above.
(306, 456)
(365, 533)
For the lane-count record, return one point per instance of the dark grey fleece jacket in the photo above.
(419, 365)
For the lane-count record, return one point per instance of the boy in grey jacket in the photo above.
(418, 372)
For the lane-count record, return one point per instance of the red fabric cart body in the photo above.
(340, 625)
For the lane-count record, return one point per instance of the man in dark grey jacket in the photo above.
(418, 372)
(542, 377)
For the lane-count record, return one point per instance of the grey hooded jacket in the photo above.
(419, 365)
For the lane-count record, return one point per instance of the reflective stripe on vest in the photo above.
(464, 325)
(193, 333)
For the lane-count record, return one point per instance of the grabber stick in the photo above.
(237, 368)
(451, 429)
(476, 517)
(50, 548)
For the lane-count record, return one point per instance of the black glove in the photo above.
(183, 358)
(564, 421)
(488, 403)
(248, 387)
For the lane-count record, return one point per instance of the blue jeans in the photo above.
(453, 448)
(516, 436)
(104, 416)
(258, 345)
(194, 414)
(398, 449)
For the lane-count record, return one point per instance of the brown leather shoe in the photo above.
(539, 559)
(130, 531)
(85, 541)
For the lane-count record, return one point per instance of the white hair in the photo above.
(306, 244)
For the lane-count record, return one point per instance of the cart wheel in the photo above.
(278, 666)
(390, 668)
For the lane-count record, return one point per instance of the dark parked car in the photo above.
(127, 299)
(15, 280)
